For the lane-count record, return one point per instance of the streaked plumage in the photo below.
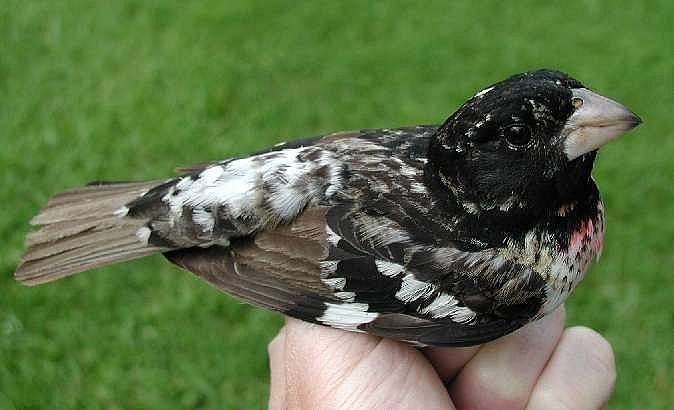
(440, 235)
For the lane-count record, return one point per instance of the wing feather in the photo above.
(377, 257)
(287, 269)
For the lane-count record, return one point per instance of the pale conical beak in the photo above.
(596, 121)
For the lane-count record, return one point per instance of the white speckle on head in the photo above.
(538, 109)
(412, 288)
(389, 269)
(347, 316)
(143, 234)
(483, 92)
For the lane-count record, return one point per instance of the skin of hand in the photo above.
(541, 366)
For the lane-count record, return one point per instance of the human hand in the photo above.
(541, 366)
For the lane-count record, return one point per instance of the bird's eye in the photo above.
(518, 136)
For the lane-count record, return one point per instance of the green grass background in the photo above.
(129, 89)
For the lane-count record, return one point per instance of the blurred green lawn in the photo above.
(129, 89)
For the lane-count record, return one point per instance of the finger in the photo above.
(317, 360)
(503, 373)
(448, 361)
(397, 375)
(276, 350)
(580, 375)
(329, 368)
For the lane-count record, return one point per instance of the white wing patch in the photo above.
(389, 269)
(333, 238)
(143, 233)
(447, 305)
(345, 296)
(347, 316)
(204, 218)
(379, 231)
(435, 304)
(282, 178)
(251, 193)
(413, 289)
(335, 283)
(441, 306)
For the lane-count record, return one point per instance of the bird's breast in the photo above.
(566, 265)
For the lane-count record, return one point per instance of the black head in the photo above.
(526, 143)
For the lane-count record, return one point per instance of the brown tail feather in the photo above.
(91, 200)
(81, 231)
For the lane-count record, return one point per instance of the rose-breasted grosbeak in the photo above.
(438, 235)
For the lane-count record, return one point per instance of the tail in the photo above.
(81, 231)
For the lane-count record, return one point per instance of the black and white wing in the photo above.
(306, 270)
(336, 245)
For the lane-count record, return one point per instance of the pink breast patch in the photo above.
(587, 241)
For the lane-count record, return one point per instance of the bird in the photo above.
(435, 235)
